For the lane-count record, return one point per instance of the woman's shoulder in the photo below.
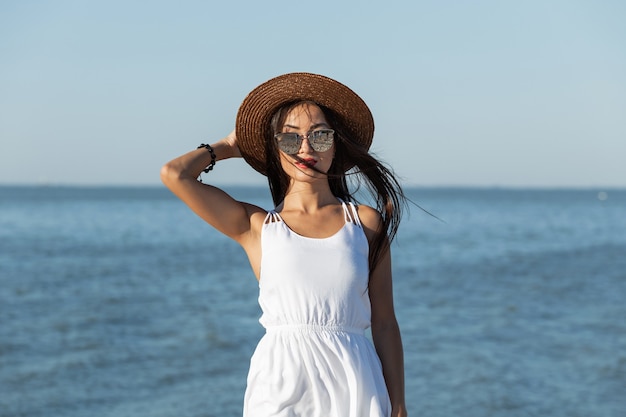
(255, 212)
(370, 217)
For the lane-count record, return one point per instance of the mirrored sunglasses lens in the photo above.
(321, 140)
(288, 143)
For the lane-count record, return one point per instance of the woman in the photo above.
(323, 263)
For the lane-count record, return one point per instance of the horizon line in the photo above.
(263, 185)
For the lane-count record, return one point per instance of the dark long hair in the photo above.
(352, 171)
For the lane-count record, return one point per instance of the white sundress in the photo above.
(314, 359)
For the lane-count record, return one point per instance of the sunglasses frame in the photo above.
(292, 141)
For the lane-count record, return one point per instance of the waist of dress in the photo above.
(313, 328)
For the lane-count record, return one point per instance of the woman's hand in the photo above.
(231, 141)
(398, 412)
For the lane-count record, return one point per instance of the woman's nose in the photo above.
(305, 145)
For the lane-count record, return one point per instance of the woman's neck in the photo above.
(308, 197)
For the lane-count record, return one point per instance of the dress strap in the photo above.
(350, 213)
(349, 210)
(272, 217)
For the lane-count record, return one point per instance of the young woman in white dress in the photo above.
(323, 262)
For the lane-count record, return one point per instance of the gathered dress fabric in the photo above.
(314, 359)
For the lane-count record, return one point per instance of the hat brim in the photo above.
(253, 124)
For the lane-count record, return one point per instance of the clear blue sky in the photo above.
(479, 93)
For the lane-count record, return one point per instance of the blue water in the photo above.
(120, 302)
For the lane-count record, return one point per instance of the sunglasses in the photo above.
(319, 140)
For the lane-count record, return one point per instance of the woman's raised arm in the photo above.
(216, 207)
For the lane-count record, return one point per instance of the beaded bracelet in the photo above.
(212, 163)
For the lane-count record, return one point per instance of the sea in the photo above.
(120, 302)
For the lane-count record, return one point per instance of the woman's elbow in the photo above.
(169, 174)
(385, 325)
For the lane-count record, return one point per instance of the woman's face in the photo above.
(303, 119)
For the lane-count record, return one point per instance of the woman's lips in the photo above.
(306, 163)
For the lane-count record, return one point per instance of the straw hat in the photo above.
(255, 113)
